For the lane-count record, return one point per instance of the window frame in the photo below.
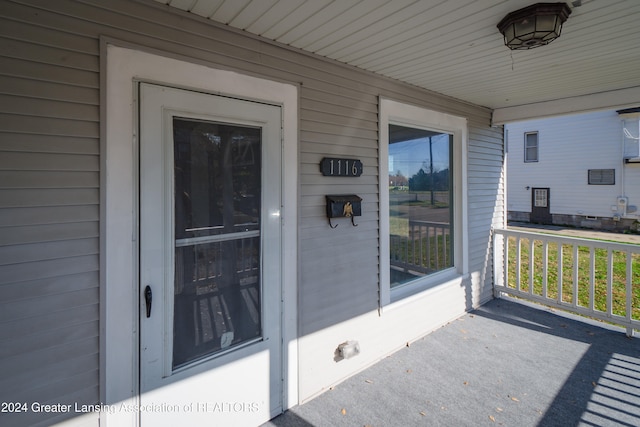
(537, 147)
(393, 112)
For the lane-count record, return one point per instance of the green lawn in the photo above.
(584, 289)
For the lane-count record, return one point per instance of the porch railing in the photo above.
(424, 249)
(592, 278)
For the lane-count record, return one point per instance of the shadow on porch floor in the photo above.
(504, 364)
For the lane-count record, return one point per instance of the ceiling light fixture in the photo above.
(533, 26)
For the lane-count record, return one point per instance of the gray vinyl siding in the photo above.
(49, 179)
(49, 213)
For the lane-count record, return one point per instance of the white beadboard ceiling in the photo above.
(453, 47)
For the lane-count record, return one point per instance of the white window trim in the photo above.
(119, 262)
(410, 115)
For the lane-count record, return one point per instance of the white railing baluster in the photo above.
(505, 259)
(587, 282)
(429, 247)
(518, 263)
(406, 246)
(609, 283)
(629, 292)
(437, 249)
(444, 246)
(531, 264)
(592, 277)
(560, 271)
(545, 267)
(576, 261)
(420, 240)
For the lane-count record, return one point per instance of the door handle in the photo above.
(148, 297)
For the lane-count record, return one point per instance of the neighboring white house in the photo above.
(580, 170)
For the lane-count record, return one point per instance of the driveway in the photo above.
(576, 232)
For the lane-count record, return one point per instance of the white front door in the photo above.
(210, 259)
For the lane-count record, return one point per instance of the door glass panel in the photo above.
(217, 295)
(540, 198)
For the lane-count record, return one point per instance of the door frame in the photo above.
(122, 68)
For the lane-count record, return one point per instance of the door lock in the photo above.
(148, 297)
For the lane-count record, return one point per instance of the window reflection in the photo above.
(217, 291)
(217, 178)
(420, 203)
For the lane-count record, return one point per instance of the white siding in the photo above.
(486, 210)
(49, 194)
(568, 147)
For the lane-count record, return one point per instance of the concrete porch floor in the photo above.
(504, 364)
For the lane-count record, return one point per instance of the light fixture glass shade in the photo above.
(533, 26)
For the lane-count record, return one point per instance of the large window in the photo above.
(420, 203)
(422, 187)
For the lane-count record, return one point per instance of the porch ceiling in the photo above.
(454, 47)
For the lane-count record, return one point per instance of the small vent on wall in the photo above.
(602, 176)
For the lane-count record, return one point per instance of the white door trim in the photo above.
(119, 225)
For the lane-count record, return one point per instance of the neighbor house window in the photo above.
(531, 147)
(421, 199)
(602, 176)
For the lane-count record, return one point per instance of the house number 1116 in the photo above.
(330, 166)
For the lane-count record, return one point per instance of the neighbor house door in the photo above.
(540, 206)
(210, 259)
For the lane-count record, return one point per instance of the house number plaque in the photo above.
(331, 166)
